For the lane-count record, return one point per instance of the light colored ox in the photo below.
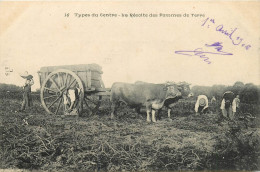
(152, 96)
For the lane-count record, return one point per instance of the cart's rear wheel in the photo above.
(54, 91)
(92, 103)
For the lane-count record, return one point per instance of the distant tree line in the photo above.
(10, 87)
(249, 93)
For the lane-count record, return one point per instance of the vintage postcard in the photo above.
(130, 86)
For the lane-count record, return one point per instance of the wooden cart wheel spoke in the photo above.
(62, 80)
(59, 79)
(55, 84)
(68, 80)
(58, 107)
(50, 89)
(53, 102)
(71, 83)
(50, 97)
(66, 77)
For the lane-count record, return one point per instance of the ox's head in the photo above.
(184, 88)
(172, 90)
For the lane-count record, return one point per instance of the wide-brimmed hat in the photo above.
(26, 75)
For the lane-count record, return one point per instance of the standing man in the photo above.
(226, 105)
(27, 100)
(201, 105)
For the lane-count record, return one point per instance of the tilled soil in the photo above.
(33, 140)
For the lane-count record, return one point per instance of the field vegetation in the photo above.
(33, 140)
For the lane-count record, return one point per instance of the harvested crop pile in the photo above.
(34, 140)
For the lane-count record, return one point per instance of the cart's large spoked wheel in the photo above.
(92, 103)
(54, 92)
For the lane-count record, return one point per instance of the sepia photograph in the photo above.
(129, 86)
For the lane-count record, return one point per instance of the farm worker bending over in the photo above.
(213, 100)
(27, 100)
(235, 105)
(227, 104)
(70, 98)
(201, 105)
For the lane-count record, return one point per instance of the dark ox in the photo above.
(152, 96)
(184, 89)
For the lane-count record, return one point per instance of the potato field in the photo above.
(34, 140)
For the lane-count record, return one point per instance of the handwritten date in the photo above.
(230, 33)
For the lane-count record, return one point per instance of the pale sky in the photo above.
(33, 35)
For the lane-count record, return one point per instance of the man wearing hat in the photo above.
(27, 100)
(226, 105)
(201, 105)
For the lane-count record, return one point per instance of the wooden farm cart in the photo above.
(55, 82)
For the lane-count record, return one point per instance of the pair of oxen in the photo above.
(149, 95)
